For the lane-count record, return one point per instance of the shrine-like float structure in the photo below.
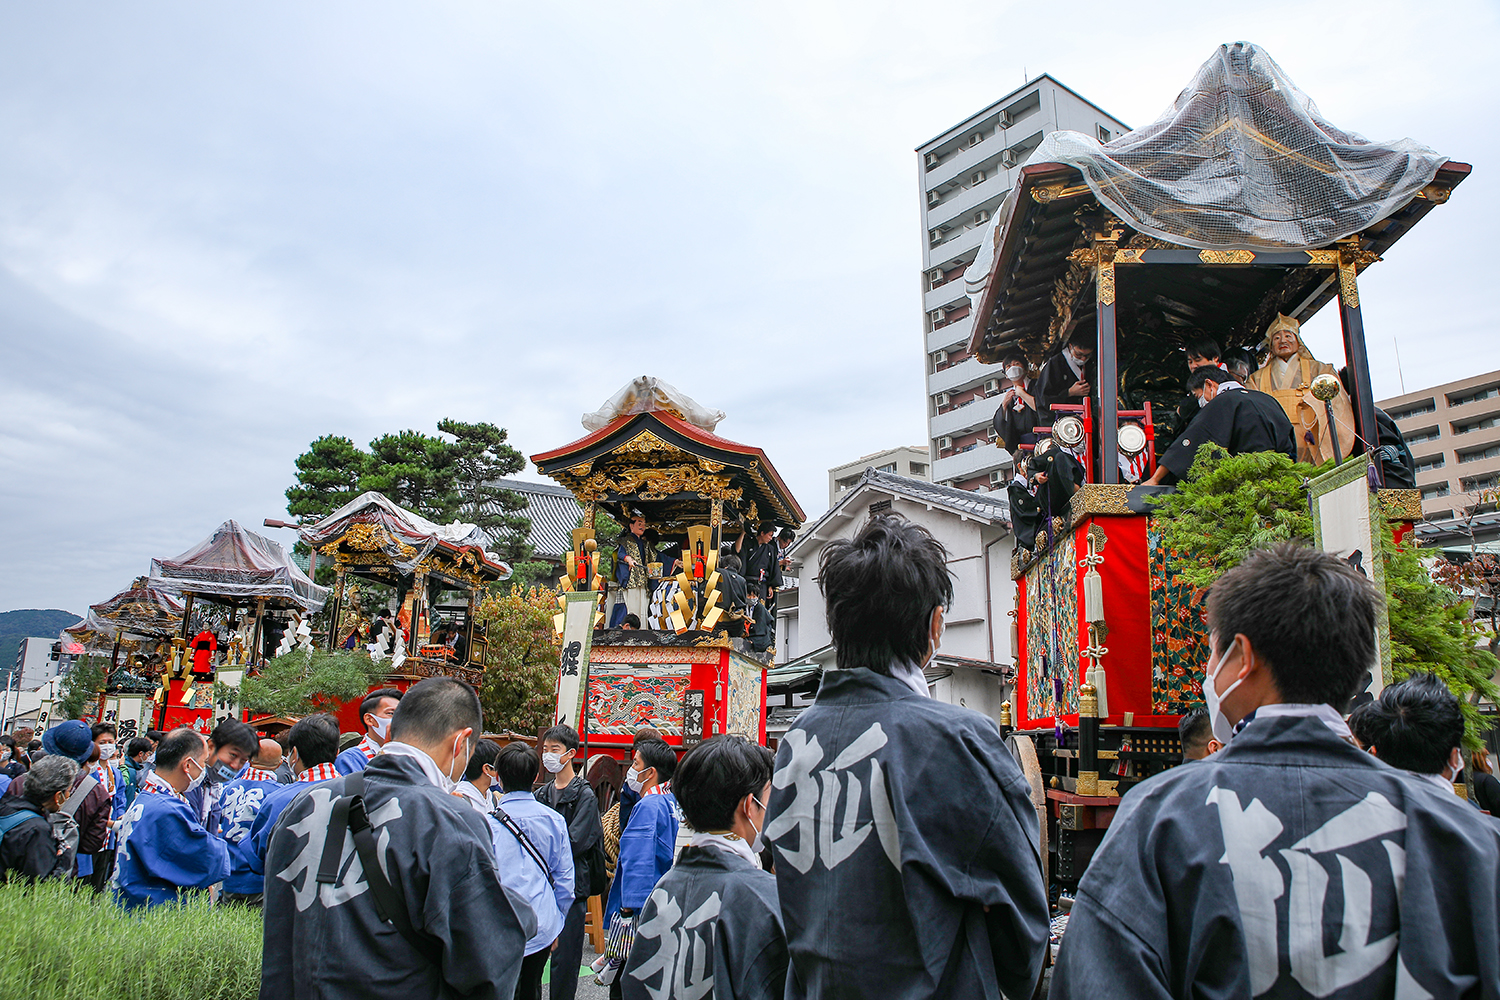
(689, 672)
(1150, 239)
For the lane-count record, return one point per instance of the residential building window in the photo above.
(1473, 425)
(918, 469)
(1474, 395)
(1439, 515)
(1430, 462)
(1473, 484)
(1476, 456)
(887, 468)
(1434, 491)
(1421, 436)
(1414, 409)
(1103, 134)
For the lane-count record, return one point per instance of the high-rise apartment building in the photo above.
(963, 176)
(910, 461)
(1453, 431)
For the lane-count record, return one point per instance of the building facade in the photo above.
(912, 462)
(963, 176)
(1453, 431)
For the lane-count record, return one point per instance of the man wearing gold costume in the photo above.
(1287, 376)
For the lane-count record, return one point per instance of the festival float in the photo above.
(137, 624)
(689, 672)
(1239, 209)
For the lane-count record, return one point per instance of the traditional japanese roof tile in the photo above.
(991, 508)
(554, 513)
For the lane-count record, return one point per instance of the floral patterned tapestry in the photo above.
(744, 699)
(1179, 644)
(1052, 631)
(623, 697)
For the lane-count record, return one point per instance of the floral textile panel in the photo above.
(1179, 642)
(1052, 631)
(744, 700)
(623, 697)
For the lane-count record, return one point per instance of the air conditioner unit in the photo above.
(945, 443)
(993, 385)
(1006, 119)
(1010, 158)
(940, 357)
(932, 160)
(978, 177)
(997, 478)
(976, 138)
(981, 217)
(935, 236)
(937, 315)
(936, 276)
(941, 399)
(933, 198)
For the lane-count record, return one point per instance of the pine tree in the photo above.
(329, 475)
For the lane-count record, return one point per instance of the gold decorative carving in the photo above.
(1097, 535)
(643, 443)
(1433, 193)
(1348, 287)
(1084, 255)
(1105, 282)
(1326, 257)
(658, 483)
(1400, 505)
(1044, 193)
(709, 466)
(1226, 256)
(581, 470)
(1140, 241)
(1129, 256)
(1099, 498)
(1087, 784)
(1065, 295)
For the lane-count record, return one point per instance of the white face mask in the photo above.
(202, 773)
(1202, 402)
(759, 843)
(553, 762)
(452, 781)
(1014, 372)
(1223, 729)
(633, 780)
(381, 725)
(106, 751)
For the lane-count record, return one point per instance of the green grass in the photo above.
(59, 941)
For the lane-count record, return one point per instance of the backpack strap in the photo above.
(349, 814)
(526, 843)
(72, 802)
(15, 819)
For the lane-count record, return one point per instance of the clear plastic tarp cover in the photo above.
(147, 612)
(645, 394)
(236, 563)
(1242, 160)
(407, 539)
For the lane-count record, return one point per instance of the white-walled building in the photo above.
(975, 663)
(963, 176)
(912, 461)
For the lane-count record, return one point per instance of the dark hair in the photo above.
(155, 735)
(485, 752)
(1365, 724)
(139, 745)
(880, 589)
(517, 766)
(1198, 377)
(34, 745)
(98, 729)
(1418, 723)
(787, 533)
(233, 733)
(564, 734)
(1084, 337)
(632, 621)
(1194, 730)
(1203, 347)
(656, 754)
(764, 527)
(176, 745)
(9, 741)
(434, 708)
(731, 563)
(315, 738)
(1308, 613)
(716, 775)
(370, 704)
(47, 777)
(642, 735)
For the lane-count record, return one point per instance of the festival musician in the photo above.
(1232, 417)
(1016, 416)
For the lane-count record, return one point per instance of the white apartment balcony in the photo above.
(973, 414)
(969, 372)
(975, 462)
(959, 242)
(963, 162)
(950, 293)
(955, 334)
(960, 205)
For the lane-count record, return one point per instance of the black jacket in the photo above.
(1053, 384)
(1238, 420)
(29, 849)
(580, 810)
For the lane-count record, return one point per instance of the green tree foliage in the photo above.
(195, 951)
(1433, 630)
(519, 690)
(79, 691)
(329, 475)
(301, 682)
(415, 471)
(1230, 505)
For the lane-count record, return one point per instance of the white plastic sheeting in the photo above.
(647, 393)
(409, 537)
(1242, 160)
(237, 563)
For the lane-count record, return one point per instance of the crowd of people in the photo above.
(889, 849)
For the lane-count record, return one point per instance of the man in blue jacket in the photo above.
(312, 744)
(375, 713)
(649, 843)
(242, 802)
(164, 848)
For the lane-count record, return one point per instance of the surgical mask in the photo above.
(1014, 372)
(202, 773)
(452, 781)
(382, 726)
(553, 762)
(1202, 402)
(221, 772)
(759, 843)
(4, 756)
(106, 751)
(1080, 359)
(633, 780)
(1223, 729)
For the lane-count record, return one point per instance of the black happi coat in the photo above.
(1291, 865)
(1054, 382)
(1396, 463)
(711, 929)
(906, 849)
(1015, 425)
(1025, 514)
(579, 808)
(762, 566)
(328, 942)
(1239, 420)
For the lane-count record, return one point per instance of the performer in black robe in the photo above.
(1233, 417)
(1025, 514)
(1016, 416)
(1067, 377)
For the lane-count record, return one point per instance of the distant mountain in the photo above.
(17, 625)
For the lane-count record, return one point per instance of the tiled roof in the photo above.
(554, 513)
(995, 505)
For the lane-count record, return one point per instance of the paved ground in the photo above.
(587, 989)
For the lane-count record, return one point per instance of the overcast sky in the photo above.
(227, 229)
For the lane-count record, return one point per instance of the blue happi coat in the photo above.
(647, 847)
(163, 851)
(241, 803)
